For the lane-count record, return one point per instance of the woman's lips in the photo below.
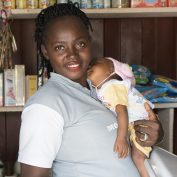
(73, 66)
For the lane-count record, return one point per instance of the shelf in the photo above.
(165, 105)
(20, 108)
(11, 109)
(107, 13)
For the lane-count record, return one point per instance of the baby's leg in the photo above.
(139, 158)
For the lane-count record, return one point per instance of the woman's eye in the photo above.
(80, 45)
(60, 48)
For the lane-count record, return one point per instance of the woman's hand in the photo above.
(152, 128)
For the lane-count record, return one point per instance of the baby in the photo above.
(114, 83)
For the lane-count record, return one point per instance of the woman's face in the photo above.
(67, 45)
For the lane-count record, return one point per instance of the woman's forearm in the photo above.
(32, 171)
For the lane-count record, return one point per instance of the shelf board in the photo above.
(20, 108)
(107, 13)
(11, 109)
(165, 105)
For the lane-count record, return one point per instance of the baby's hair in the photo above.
(108, 65)
(48, 15)
(104, 62)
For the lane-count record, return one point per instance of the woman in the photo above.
(63, 127)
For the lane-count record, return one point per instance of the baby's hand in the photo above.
(121, 147)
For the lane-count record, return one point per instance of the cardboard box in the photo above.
(9, 87)
(172, 3)
(31, 85)
(149, 3)
(20, 84)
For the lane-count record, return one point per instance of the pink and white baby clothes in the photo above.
(115, 92)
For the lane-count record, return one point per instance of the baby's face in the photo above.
(97, 74)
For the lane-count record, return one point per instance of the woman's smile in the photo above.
(73, 66)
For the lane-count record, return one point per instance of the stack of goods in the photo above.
(12, 77)
(15, 86)
(155, 88)
(23, 4)
(122, 3)
(86, 4)
(165, 83)
(95, 4)
(154, 3)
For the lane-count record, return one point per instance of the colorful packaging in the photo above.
(151, 92)
(86, 4)
(120, 3)
(32, 4)
(165, 82)
(149, 3)
(43, 4)
(9, 82)
(52, 2)
(13, 4)
(107, 3)
(1, 4)
(97, 4)
(165, 99)
(31, 85)
(62, 1)
(7, 4)
(142, 74)
(172, 3)
(20, 4)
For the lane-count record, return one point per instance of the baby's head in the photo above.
(100, 69)
(104, 69)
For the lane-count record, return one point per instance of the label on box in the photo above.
(173, 3)
(149, 3)
(31, 85)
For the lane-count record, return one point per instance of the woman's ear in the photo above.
(44, 52)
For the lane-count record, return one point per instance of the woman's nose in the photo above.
(72, 52)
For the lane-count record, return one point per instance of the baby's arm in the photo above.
(121, 144)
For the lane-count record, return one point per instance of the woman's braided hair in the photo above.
(46, 16)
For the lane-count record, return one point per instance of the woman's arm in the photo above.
(151, 127)
(40, 139)
(31, 171)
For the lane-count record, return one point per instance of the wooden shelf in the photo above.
(108, 13)
(11, 109)
(165, 105)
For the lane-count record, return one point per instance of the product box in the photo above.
(120, 3)
(1, 4)
(149, 3)
(1, 89)
(172, 3)
(20, 84)
(20, 4)
(31, 85)
(9, 87)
